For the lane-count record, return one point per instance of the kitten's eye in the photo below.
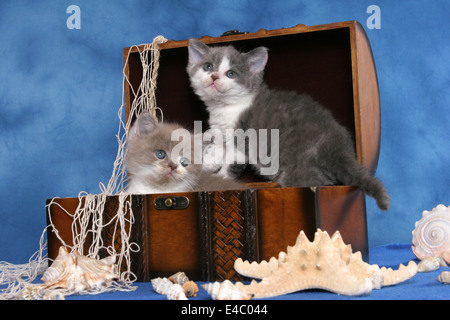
(184, 162)
(231, 74)
(208, 66)
(160, 154)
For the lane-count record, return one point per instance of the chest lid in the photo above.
(333, 63)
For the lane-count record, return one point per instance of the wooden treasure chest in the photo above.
(202, 233)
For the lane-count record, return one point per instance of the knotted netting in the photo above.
(88, 219)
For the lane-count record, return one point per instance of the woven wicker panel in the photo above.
(227, 211)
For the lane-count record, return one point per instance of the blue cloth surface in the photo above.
(423, 286)
(61, 87)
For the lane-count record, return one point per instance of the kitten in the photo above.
(152, 167)
(314, 149)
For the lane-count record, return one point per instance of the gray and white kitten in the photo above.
(153, 167)
(314, 150)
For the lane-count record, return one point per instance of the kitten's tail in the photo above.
(350, 172)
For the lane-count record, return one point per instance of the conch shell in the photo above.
(326, 263)
(431, 236)
(73, 273)
(225, 290)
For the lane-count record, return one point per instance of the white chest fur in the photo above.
(226, 116)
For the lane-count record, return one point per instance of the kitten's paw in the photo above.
(212, 158)
(211, 167)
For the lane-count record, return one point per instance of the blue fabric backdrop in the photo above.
(60, 90)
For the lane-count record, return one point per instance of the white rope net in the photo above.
(88, 219)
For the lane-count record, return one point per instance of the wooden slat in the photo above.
(343, 209)
(366, 99)
(282, 214)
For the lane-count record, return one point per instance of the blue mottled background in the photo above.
(60, 90)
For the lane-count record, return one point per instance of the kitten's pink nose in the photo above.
(214, 76)
(172, 166)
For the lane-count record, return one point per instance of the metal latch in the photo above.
(171, 203)
(233, 33)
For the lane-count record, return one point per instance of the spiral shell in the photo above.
(176, 292)
(429, 264)
(77, 273)
(161, 285)
(444, 277)
(190, 288)
(225, 290)
(72, 273)
(176, 287)
(179, 278)
(35, 292)
(431, 236)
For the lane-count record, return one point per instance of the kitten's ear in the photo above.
(257, 59)
(197, 50)
(144, 124)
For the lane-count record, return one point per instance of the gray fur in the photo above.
(314, 149)
(148, 174)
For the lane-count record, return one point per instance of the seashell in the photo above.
(326, 263)
(72, 273)
(176, 292)
(225, 290)
(429, 264)
(431, 236)
(444, 277)
(161, 285)
(190, 288)
(167, 287)
(78, 273)
(36, 292)
(31, 292)
(179, 278)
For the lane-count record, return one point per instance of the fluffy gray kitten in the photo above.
(153, 167)
(314, 150)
